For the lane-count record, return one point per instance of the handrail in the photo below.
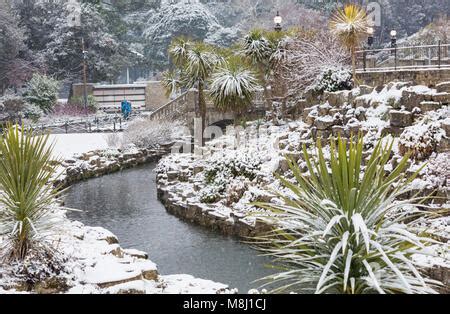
(404, 57)
(170, 103)
(403, 48)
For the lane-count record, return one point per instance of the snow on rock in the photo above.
(96, 264)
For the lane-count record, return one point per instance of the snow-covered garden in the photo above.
(343, 186)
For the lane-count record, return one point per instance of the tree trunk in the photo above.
(354, 65)
(202, 108)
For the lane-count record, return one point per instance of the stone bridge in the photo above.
(183, 108)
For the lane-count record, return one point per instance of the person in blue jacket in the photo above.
(126, 109)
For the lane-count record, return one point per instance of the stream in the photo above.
(126, 204)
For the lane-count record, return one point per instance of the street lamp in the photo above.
(394, 46)
(370, 32)
(393, 38)
(278, 20)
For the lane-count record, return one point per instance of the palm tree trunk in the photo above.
(354, 64)
(202, 109)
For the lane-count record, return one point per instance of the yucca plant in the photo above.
(344, 230)
(350, 24)
(233, 86)
(27, 195)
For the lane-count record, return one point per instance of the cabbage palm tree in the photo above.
(259, 50)
(233, 86)
(265, 51)
(197, 62)
(26, 193)
(343, 232)
(350, 24)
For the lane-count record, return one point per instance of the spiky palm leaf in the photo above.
(349, 24)
(347, 233)
(233, 86)
(257, 47)
(201, 60)
(26, 194)
(178, 50)
(171, 83)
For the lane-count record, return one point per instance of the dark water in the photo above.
(126, 204)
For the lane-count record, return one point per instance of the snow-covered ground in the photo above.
(67, 145)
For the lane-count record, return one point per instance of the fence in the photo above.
(423, 57)
(108, 123)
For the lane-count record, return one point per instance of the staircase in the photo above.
(174, 109)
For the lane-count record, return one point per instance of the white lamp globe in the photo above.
(278, 19)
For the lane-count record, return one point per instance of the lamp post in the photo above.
(370, 39)
(393, 39)
(394, 46)
(85, 96)
(370, 32)
(277, 21)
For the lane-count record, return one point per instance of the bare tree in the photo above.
(307, 56)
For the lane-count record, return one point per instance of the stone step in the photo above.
(427, 106)
(400, 118)
(442, 97)
(443, 87)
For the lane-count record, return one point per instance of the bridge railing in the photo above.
(184, 103)
(424, 57)
(171, 108)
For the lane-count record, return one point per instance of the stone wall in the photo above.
(419, 77)
(204, 215)
(101, 162)
(155, 96)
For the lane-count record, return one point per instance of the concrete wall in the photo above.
(422, 77)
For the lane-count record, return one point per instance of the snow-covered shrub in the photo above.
(435, 174)
(75, 107)
(113, 140)
(78, 102)
(14, 107)
(210, 195)
(41, 267)
(230, 166)
(11, 107)
(148, 133)
(420, 139)
(334, 79)
(42, 91)
(235, 190)
(32, 112)
(227, 175)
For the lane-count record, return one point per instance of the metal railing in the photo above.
(101, 124)
(424, 57)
